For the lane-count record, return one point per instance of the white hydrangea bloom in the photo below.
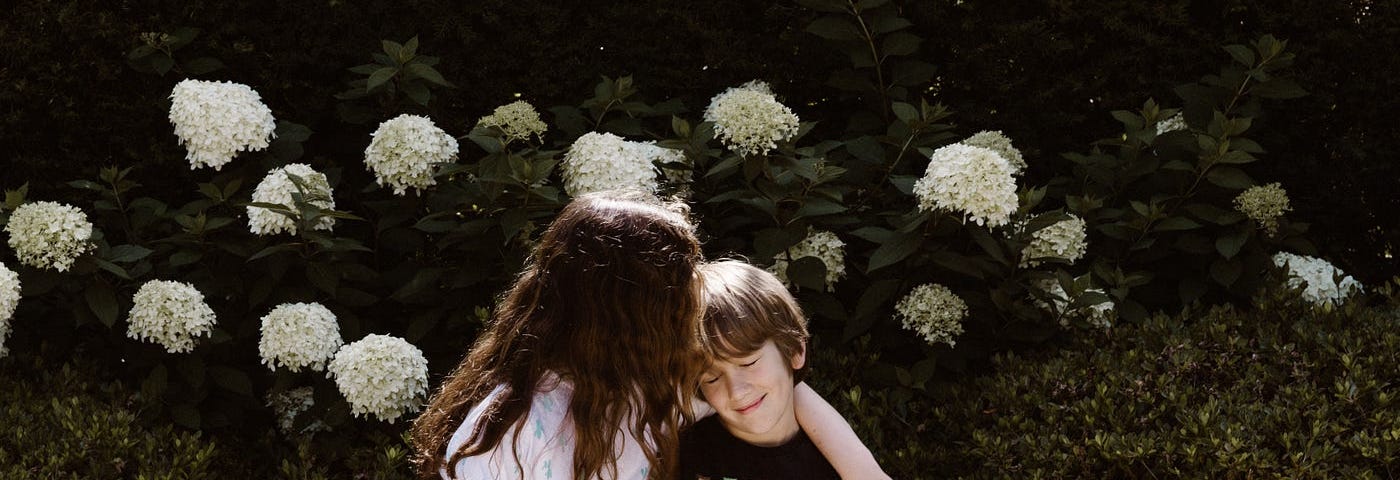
(296, 335)
(603, 161)
(171, 314)
(661, 156)
(995, 141)
(823, 245)
(934, 312)
(9, 300)
(1172, 124)
(277, 187)
(1317, 277)
(750, 120)
(1100, 315)
(49, 234)
(1067, 239)
(974, 181)
(405, 150)
(381, 375)
(1264, 204)
(216, 120)
(288, 404)
(517, 120)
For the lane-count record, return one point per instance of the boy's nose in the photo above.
(738, 386)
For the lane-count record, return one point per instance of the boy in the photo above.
(758, 345)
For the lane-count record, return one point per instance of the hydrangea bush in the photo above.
(9, 301)
(299, 335)
(170, 314)
(279, 188)
(404, 151)
(750, 120)
(381, 376)
(49, 234)
(216, 120)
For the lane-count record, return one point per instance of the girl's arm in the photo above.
(834, 437)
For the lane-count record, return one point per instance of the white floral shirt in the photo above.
(545, 448)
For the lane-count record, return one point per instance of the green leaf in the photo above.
(111, 267)
(834, 28)
(153, 387)
(417, 92)
(379, 77)
(1230, 244)
(191, 368)
(904, 111)
(185, 415)
(897, 249)
(184, 257)
(103, 302)
(127, 253)
(1229, 177)
(424, 280)
(829, 6)
(323, 277)
(355, 297)
(808, 272)
(815, 207)
(869, 304)
(889, 23)
(771, 242)
(232, 379)
(391, 48)
(900, 43)
(286, 247)
(1226, 271)
(427, 73)
(1242, 54)
(1172, 224)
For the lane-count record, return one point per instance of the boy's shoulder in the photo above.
(709, 451)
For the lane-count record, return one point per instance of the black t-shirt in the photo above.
(710, 451)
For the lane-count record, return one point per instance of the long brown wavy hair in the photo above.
(610, 301)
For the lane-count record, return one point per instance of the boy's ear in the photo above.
(800, 358)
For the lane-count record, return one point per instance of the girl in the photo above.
(588, 367)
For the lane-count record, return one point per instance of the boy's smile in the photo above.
(752, 395)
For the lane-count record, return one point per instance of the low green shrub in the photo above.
(1282, 390)
(67, 422)
(63, 425)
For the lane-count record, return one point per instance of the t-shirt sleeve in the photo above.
(533, 448)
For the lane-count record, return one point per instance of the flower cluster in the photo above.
(381, 375)
(517, 120)
(1171, 124)
(661, 157)
(405, 149)
(288, 404)
(603, 161)
(1264, 204)
(1317, 277)
(1065, 239)
(216, 120)
(749, 119)
(49, 234)
(995, 141)
(277, 187)
(973, 180)
(296, 335)
(171, 314)
(822, 245)
(1100, 315)
(9, 300)
(934, 312)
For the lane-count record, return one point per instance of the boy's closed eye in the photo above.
(713, 376)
